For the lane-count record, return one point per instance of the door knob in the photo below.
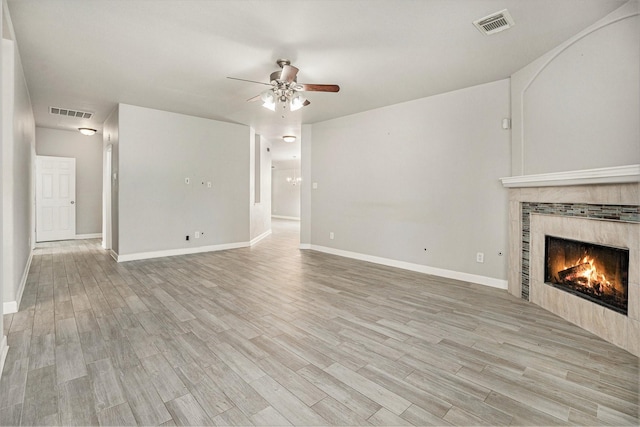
(72, 202)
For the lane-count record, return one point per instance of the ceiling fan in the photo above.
(285, 89)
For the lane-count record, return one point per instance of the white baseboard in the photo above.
(9, 307)
(174, 252)
(305, 246)
(293, 218)
(260, 237)
(113, 254)
(4, 349)
(88, 236)
(449, 274)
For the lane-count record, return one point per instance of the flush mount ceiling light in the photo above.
(289, 138)
(87, 131)
(285, 89)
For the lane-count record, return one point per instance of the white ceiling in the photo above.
(176, 55)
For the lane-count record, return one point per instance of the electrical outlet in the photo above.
(197, 235)
(209, 184)
(331, 235)
(480, 257)
(187, 237)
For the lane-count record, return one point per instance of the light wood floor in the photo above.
(272, 335)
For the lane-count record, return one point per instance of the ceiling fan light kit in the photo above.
(268, 100)
(285, 88)
(297, 101)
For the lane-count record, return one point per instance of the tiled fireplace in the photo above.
(601, 214)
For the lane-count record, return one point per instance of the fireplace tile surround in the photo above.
(626, 213)
(599, 213)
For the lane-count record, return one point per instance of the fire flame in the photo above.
(590, 277)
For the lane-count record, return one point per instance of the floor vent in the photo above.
(495, 22)
(57, 111)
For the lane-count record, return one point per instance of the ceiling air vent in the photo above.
(495, 22)
(57, 111)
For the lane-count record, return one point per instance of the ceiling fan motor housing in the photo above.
(275, 77)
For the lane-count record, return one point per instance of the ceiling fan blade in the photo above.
(250, 81)
(255, 98)
(289, 73)
(307, 102)
(317, 88)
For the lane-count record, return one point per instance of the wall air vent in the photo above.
(495, 22)
(57, 111)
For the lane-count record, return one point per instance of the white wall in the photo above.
(4, 348)
(87, 150)
(422, 174)
(578, 106)
(18, 147)
(305, 188)
(260, 211)
(157, 150)
(285, 197)
(110, 136)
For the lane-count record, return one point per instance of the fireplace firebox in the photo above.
(595, 272)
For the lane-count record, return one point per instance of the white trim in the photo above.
(293, 218)
(175, 252)
(88, 236)
(612, 175)
(4, 349)
(305, 246)
(450, 274)
(113, 254)
(9, 307)
(260, 237)
(12, 306)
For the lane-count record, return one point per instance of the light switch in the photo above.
(187, 181)
(315, 185)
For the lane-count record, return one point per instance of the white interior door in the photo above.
(55, 198)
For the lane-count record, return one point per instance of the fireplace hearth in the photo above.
(595, 272)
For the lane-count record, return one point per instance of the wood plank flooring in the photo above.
(272, 335)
